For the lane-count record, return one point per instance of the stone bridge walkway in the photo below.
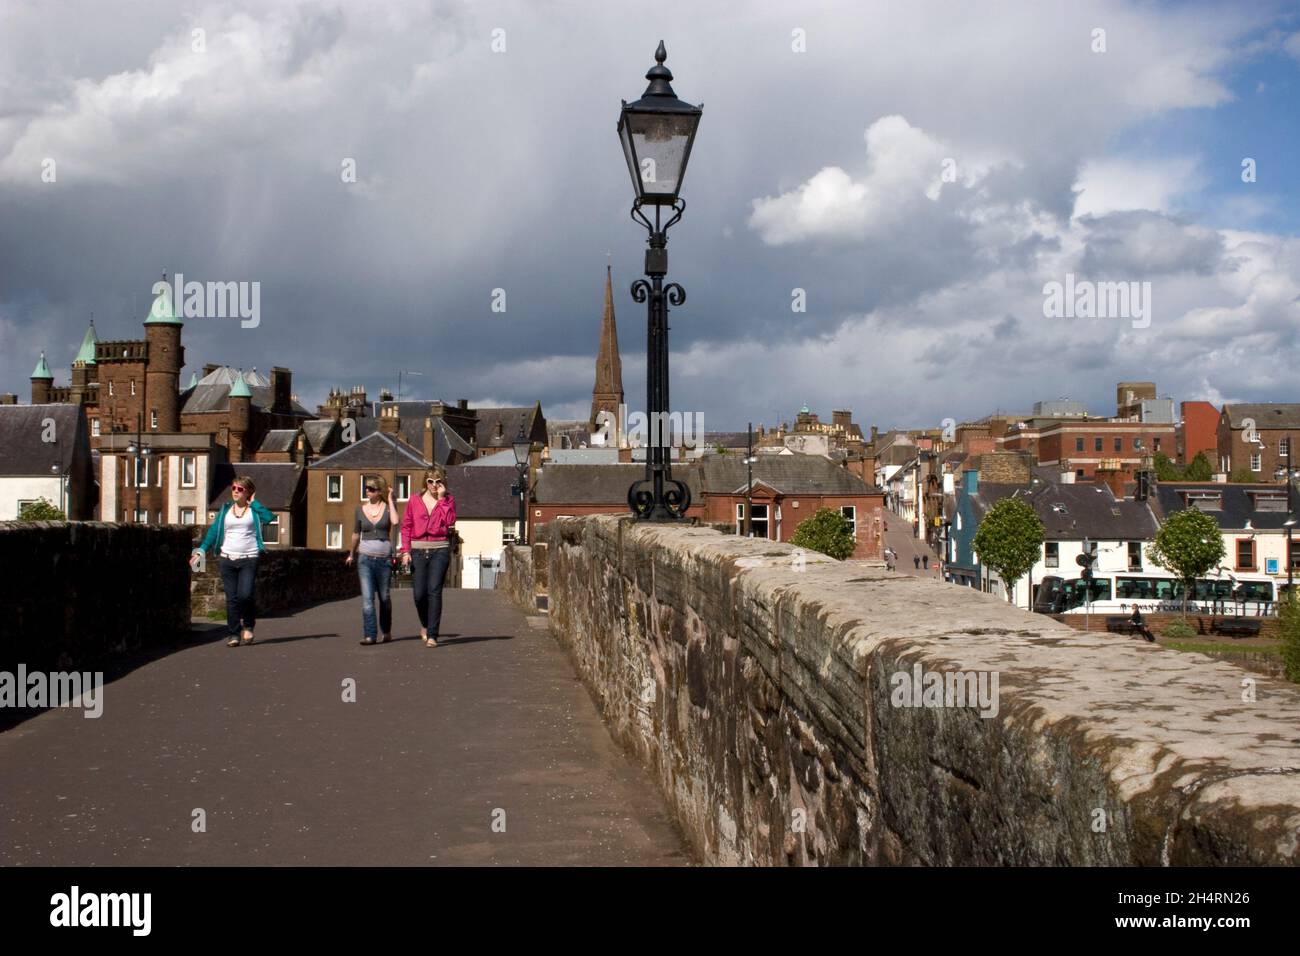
(485, 750)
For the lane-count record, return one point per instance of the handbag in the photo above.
(453, 540)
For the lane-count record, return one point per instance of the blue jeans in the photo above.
(375, 574)
(238, 577)
(428, 569)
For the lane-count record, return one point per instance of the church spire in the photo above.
(607, 394)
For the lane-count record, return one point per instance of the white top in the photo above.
(240, 538)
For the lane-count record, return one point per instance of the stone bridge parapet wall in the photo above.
(767, 703)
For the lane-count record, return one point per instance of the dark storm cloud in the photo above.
(479, 170)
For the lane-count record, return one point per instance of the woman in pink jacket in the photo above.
(426, 550)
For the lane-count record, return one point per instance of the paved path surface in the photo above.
(490, 726)
(901, 537)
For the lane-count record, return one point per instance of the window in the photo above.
(110, 387)
(1135, 555)
(1205, 501)
(850, 512)
(1295, 553)
(1078, 473)
(403, 491)
(334, 536)
(757, 520)
(187, 516)
(153, 418)
(132, 386)
(1078, 444)
(1245, 554)
(271, 531)
(1119, 444)
(1225, 464)
(189, 471)
(364, 479)
(1270, 503)
(94, 427)
(1284, 447)
(333, 487)
(1052, 554)
(1097, 444)
(142, 516)
(141, 471)
(1155, 444)
(510, 531)
(1255, 462)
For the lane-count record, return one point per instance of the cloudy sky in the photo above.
(919, 170)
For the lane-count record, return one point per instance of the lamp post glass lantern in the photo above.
(657, 133)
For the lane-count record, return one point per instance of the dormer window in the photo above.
(1204, 500)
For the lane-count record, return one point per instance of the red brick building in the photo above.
(1200, 432)
(1080, 445)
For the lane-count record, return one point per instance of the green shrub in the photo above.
(40, 510)
(826, 532)
(1179, 630)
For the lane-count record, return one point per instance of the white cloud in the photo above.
(1115, 185)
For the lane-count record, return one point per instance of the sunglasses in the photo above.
(371, 488)
(240, 488)
(432, 481)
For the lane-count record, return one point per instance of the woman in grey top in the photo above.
(372, 536)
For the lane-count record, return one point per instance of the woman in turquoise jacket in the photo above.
(237, 537)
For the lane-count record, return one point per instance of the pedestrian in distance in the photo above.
(372, 550)
(916, 562)
(427, 525)
(925, 561)
(236, 535)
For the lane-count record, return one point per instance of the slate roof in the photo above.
(1070, 512)
(212, 393)
(1091, 511)
(786, 474)
(318, 431)
(1266, 416)
(278, 440)
(509, 418)
(278, 483)
(376, 451)
(483, 492)
(22, 452)
(1237, 500)
(598, 484)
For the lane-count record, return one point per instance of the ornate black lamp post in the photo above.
(523, 449)
(657, 132)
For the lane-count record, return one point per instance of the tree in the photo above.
(826, 532)
(1288, 615)
(1187, 545)
(1242, 476)
(1166, 468)
(1198, 469)
(40, 510)
(1009, 540)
